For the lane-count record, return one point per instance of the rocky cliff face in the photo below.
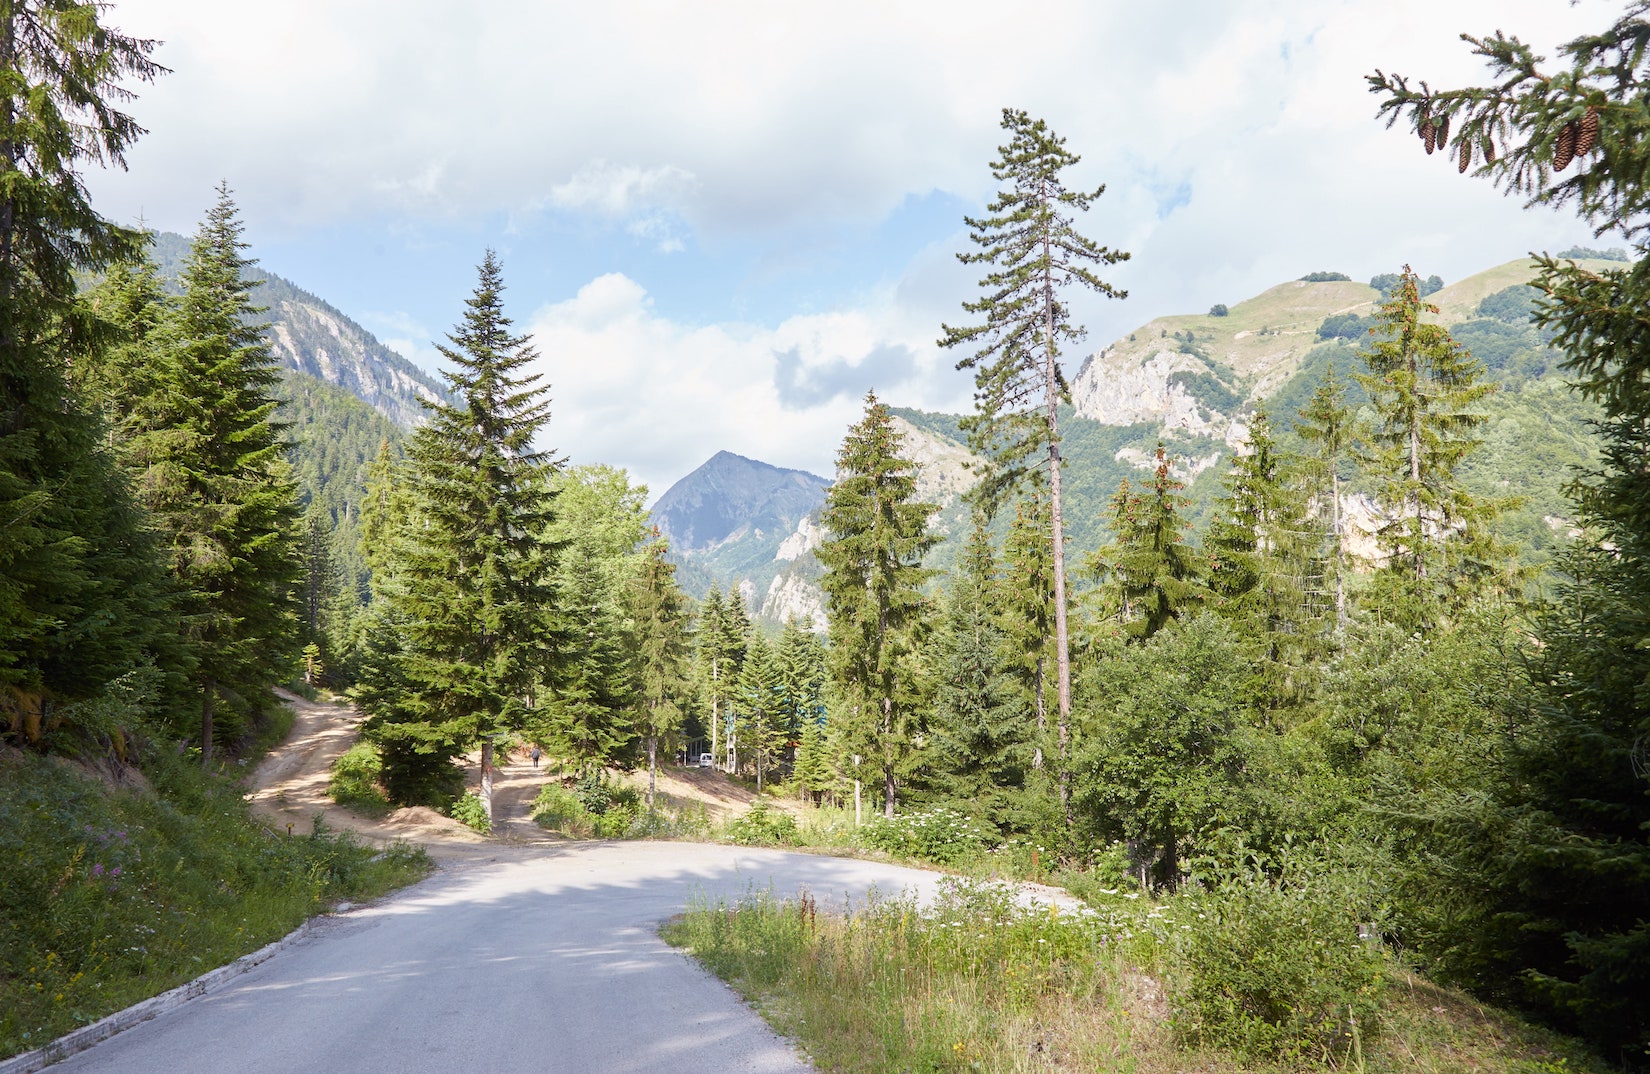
(307, 334)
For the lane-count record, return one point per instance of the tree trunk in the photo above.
(208, 689)
(652, 769)
(1062, 644)
(888, 789)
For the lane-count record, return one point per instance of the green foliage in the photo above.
(471, 812)
(1165, 733)
(466, 577)
(1209, 390)
(1149, 576)
(1219, 310)
(1326, 277)
(1587, 253)
(942, 836)
(357, 780)
(878, 532)
(1275, 970)
(762, 825)
(1345, 326)
(1388, 282)
(108, 897)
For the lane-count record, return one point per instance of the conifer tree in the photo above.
(762, 712)
(1150, 572)
(1037, 254)
(1424, 390)
(472, 584)
(1561, 851)
(813, 763)
(71, 550)
(1262, 564)
(983, 746)
(801, 656)
(723, 634)
(1326, 422)
(659, 611)
(216, 479)
(873, 588)
(1025, 614)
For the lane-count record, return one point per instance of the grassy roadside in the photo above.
(976, 983)
(111, 895)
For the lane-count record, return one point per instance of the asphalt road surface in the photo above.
(545, 960)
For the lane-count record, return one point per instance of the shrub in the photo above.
(471, 812)
(1325, 277)
(356, 777)
(1218, 310)
(943, 836)
(1275, 969)
(763, 826)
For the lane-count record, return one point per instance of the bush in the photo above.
(1325, 277)
(356, 780)
(943, 836)
(763, 826)
(472, 813)
(109, 897)
(1218, 310)
(1275, 969)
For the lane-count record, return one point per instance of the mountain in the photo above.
(310, 336)
(1191, 382)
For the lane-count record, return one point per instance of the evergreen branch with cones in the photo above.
(1567, 132)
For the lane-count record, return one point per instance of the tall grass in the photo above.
(976, 982)
(110, 896)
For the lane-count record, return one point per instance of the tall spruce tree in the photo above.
(873, 588)
(983, 743)
(472, 586)
(723, 633)
(1036, 254)
(71, 551)
(763, 722)
(216, 480)
(1025, 614)
(1263, 569)
(1424, 390)
(1326, 423)
(659, 611)
(1560, 853)
(1149, 573)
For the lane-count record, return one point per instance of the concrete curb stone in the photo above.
(80, 1039)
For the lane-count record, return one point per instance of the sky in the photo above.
(724, 221)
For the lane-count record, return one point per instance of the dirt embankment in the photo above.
(288, 789)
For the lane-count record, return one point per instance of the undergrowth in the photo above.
(109, 896)
(976, 981)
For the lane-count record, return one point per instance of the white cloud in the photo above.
(659, 397)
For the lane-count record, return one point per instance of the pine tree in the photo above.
(1424, 390)
(1150, 571)
(659, 610)
(216, 480)
(472, 584)
(1560, 854)
(77, 585)
(983, 746)
(762, 718)
(723, 633)
(1025, 614)
(1037, 254)
(1261, 549)
(873, 588)
(1326, 422)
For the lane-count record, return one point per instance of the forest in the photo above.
(1443, 743)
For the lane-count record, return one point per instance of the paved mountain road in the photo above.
(544, 959)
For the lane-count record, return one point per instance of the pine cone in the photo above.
(1427, 134)
(1466, 155)
(1442, 137)
(1565, 150)
(1587, 136)
(1489, 149)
